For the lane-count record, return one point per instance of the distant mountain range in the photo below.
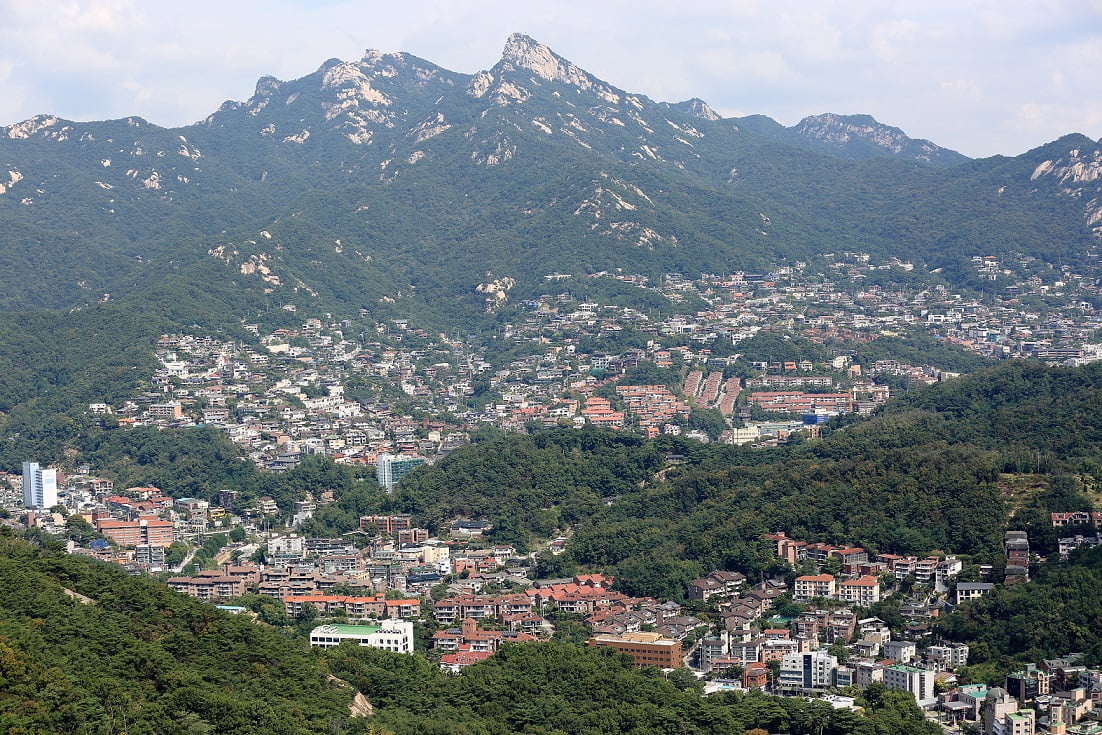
(391, 183)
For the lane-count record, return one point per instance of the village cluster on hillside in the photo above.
(812, 635)
(402, 397)
(329, 388)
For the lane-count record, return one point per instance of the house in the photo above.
(948, 655)
(755, 675)
(900, 651)
(719, 583)
(863, 591)
(1077, 518)
(453, 663)
(811, 586)
(970, 591)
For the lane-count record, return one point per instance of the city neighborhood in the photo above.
(392, 398)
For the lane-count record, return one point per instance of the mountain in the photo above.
(392, 184)
(861, 136)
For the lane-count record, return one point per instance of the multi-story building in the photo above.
(209, 586)
(900, 651)
(863, 591)
(811, 586)
(413, 536)
(807, 670)
(388, 525)
(919, 682)
(1001, 715)
(867, 672)
(646, 649)
(950, 655)
(389, 635)
(946, 569)
(1027, 684)
(286, 548)
(146, 530)
(39, 486)
(150, 556)
(390, 468)
(1017, 557)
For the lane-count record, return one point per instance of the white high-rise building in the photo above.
(390, 468)
(39, 486)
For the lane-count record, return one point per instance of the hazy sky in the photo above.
(980, 76)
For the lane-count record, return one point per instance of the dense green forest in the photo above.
(530, 485)
(136, 657)
(1058, 611)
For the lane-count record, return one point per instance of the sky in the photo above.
(982, 77)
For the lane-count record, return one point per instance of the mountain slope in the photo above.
(87, 648)
(391, 183)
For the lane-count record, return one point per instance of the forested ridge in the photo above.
(558, 688)
(934, 470)
(136, 657)
(126, 654)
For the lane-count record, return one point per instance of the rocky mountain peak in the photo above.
(853, 132)
(697, 108)
(523, 52)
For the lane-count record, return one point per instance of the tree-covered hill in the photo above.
(87, 648)
(935, 470)
(558, 688)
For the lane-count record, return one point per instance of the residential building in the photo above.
(150, 556)
(283, 549)
(919, 682)
(1075, 518)
(39, 486)
(807, 670)
(391, 468)
(719, 583)
(946, 569)
(863, 591)
(996, 705)
(949, 655)
(970, 591)
(388, 525)
(145, 530)
(900, 651)
(811, 586)
(209, 585)
(867, 672)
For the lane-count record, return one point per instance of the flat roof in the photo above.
(345, 630)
